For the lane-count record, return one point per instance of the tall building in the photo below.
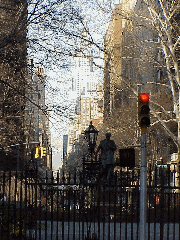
(84, 81)
(86, 93)
(130, 68)
(37, 133)
(13, 54)
(65, 142)
(22, 92)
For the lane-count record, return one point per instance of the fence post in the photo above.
(143, 188)
(162, 179)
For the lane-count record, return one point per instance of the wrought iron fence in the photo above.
(86, 206)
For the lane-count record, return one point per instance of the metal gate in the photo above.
(71, 206)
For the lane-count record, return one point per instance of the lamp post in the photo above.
(91, 134)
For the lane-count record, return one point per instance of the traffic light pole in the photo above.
(143, 188)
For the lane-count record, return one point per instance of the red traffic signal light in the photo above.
(144, 97)
(143, 110)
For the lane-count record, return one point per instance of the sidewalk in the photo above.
(107, 231)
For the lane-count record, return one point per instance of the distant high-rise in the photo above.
(85, 92)
(65, 142)
(84, 81)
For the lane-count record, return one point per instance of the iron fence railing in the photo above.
(76, 206)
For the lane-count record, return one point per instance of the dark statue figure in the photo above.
(107, 147)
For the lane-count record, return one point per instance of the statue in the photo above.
(107, 147)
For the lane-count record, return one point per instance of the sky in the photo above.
(58, 123)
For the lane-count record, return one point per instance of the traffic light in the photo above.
(43, 152)
(143, 110)
(37, 152)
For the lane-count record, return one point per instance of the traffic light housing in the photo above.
(43, 152)
(37, 152)
(143, 110)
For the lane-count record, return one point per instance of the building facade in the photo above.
(22, 92)
(13, 54)
(130, 68)
(37, 132)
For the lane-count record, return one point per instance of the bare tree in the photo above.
(54, 37)
(145, 57)
(50, 30)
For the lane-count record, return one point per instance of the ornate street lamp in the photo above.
(91, 134)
